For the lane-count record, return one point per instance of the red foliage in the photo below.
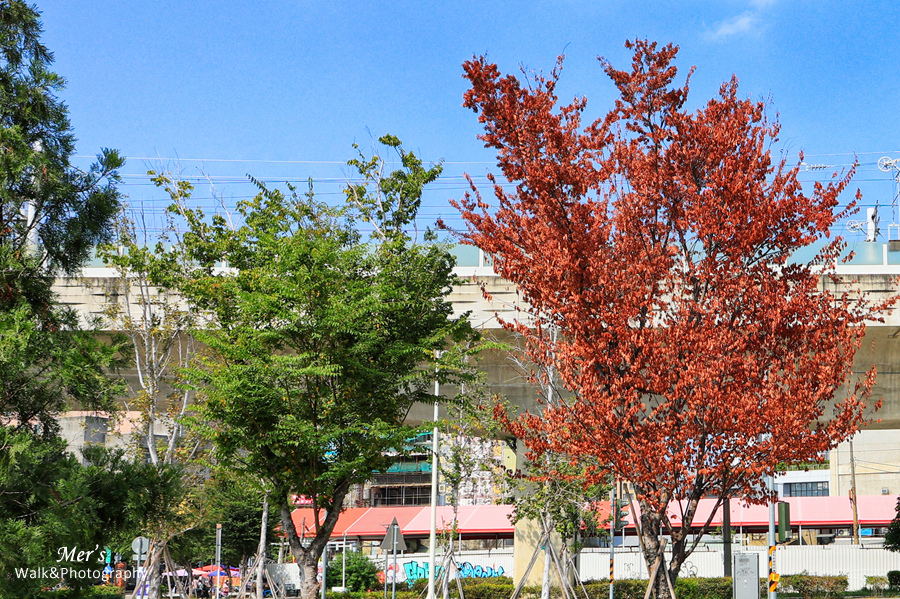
(657, 240)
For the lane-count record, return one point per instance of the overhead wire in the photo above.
(433, 207)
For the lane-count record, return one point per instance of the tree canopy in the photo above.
(52, 214)
(658, 241)
(51, 217)
(318, 338)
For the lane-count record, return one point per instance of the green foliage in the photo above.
(877, 584)
(317, 339)
(95, 592)
(703, 588)
(315, 359)
(50, 501)
(502, 587)
(70, 209)
(51, 217)
(893, 577)
(47, 364)
(892, 536)
(401, 594)
(810, 586)
(362, 573)
(553, 488)
(484, 588)
(237, 505)
(477, 588)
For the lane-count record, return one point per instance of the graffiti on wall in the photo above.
(414, 571)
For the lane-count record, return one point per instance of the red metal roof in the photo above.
(305, 521)
(474, 520)
(471, 520)
(872, 510)
(375, 521)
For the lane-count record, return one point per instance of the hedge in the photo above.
(94, 592)
(893, 577)
(804, 585)
(809, 586)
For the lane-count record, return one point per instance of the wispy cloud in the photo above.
(745, 23)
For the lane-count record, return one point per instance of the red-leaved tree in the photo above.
(658, 241)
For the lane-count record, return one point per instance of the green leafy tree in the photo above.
(892, 536)
(319, 343)
(236, 504)
(56, 507)
(361, 572)
(143, 306)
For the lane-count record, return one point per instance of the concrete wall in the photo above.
(877, 455)
(878, 460)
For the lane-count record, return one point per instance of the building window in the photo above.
(806, 489)
(402, 496)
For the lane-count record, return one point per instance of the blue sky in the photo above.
(281, 90)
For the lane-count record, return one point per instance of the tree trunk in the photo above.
(261, 551)
(651, 527)
(153, 575)
(242, 574)
(308, 557)
(309, 570)
(545, 580)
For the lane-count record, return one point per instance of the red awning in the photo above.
(872, 510)
(472, 520)
(482, 520)
(375, 521)
(305, 520)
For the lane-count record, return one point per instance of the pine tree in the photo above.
(51, 216)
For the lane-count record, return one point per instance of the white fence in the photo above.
(856, 562)
(412, 566)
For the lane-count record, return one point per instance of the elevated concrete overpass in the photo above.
(875, 268)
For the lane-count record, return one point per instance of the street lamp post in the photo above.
(432, 534)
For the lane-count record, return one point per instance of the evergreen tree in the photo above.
(51, 216)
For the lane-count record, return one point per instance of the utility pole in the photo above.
(773, 575)
(435, 447)
(612, 536)
(726, 535)
(853, 495)
(218, 558)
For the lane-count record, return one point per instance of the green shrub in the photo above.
(485, 588)
(628, 588)
(94, 592)
(876, 584)
(500, 587)
(893, 577)
(703, 588)
(809, 586)
(362, 573)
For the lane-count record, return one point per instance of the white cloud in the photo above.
(746, 23)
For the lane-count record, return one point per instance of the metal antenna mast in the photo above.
(892, 165)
